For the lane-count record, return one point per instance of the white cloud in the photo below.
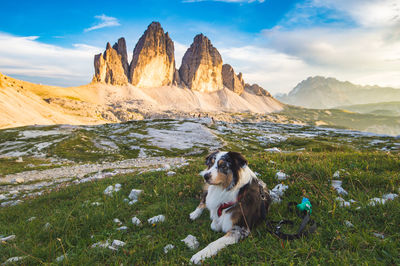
(105, 21)
(30, 58)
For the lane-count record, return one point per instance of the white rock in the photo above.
(126, 200)
(390, 196)
(191, 242)
(31, 219)
(168, 248)
(280, 175)
(117, 221)
(336, 174)
(348, 224)
(379, 235)
(19, 160)
(109, 190)
(60, 258)
(96, 203)
(337, 185)
(156, 219)
(2, 197)
(273, 150)
(171, 173)
(134, 195)
(13, 259)
(101, 244)
(136, 221)
(166, 166)
(117, 187)
(47, 226)
(122, 228)
(118, 243)
(375, 201)
(14, 192)
(11, 203)
(8, 238)
(280, 189)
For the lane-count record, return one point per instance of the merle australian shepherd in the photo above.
(236, 198)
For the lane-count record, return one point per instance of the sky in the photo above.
(275, 43)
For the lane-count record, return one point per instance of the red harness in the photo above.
(227, 205)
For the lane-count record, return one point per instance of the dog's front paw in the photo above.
(195, 214)
(197, 258)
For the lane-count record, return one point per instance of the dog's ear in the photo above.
(237, 159)
(210, 157)
(237, 162)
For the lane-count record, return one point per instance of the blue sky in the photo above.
(275, 43)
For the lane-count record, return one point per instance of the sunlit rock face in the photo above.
(153, 62)
(109, 67)
(257, 90)
(231, 80)
(201, 68)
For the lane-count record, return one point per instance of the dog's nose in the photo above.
(207, 176)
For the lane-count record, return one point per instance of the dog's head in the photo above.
(223, 168)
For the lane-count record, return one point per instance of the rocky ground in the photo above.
(89, 185)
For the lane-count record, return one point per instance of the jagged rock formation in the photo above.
(109, 67)
(153, 62)
(256, 89)
(231, 80)
(201, 67)
(120, 47)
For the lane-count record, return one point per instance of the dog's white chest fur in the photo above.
(215, 198)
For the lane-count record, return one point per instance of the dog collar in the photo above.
(227, 205)
(224, 206)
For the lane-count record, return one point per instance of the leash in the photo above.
(303, 210)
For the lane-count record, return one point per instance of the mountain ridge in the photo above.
(321, 92)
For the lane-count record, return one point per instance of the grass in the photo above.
(76, 224)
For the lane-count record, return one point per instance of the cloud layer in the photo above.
(29, 58)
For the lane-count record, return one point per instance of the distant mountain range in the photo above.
(321, 93)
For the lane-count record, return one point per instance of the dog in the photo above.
(236, 198)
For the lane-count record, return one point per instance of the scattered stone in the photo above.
(168, 248)
(343, 203)
(96, 203)
(126, 200)
(280, 175)
(47, 226)
(134, 195)
(117, 221)
(13, 259)
(109, 190)
(337, 185)
(2, 197)
(19, 160)
(118, 243)
(101, 244)
(156, 219)
(336, 174)
(136, 221)
(273, 150)
(7, 238)
(60, 258)
(11, 203)
(390, 196)
(166, 166)
(348, 224)
(171, 173)
(191, 242)
(378, 235)
(122, 228)
(277, 192)
(18, 180)
(31, 219)
(117, 187)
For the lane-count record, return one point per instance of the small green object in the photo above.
(305, 205)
